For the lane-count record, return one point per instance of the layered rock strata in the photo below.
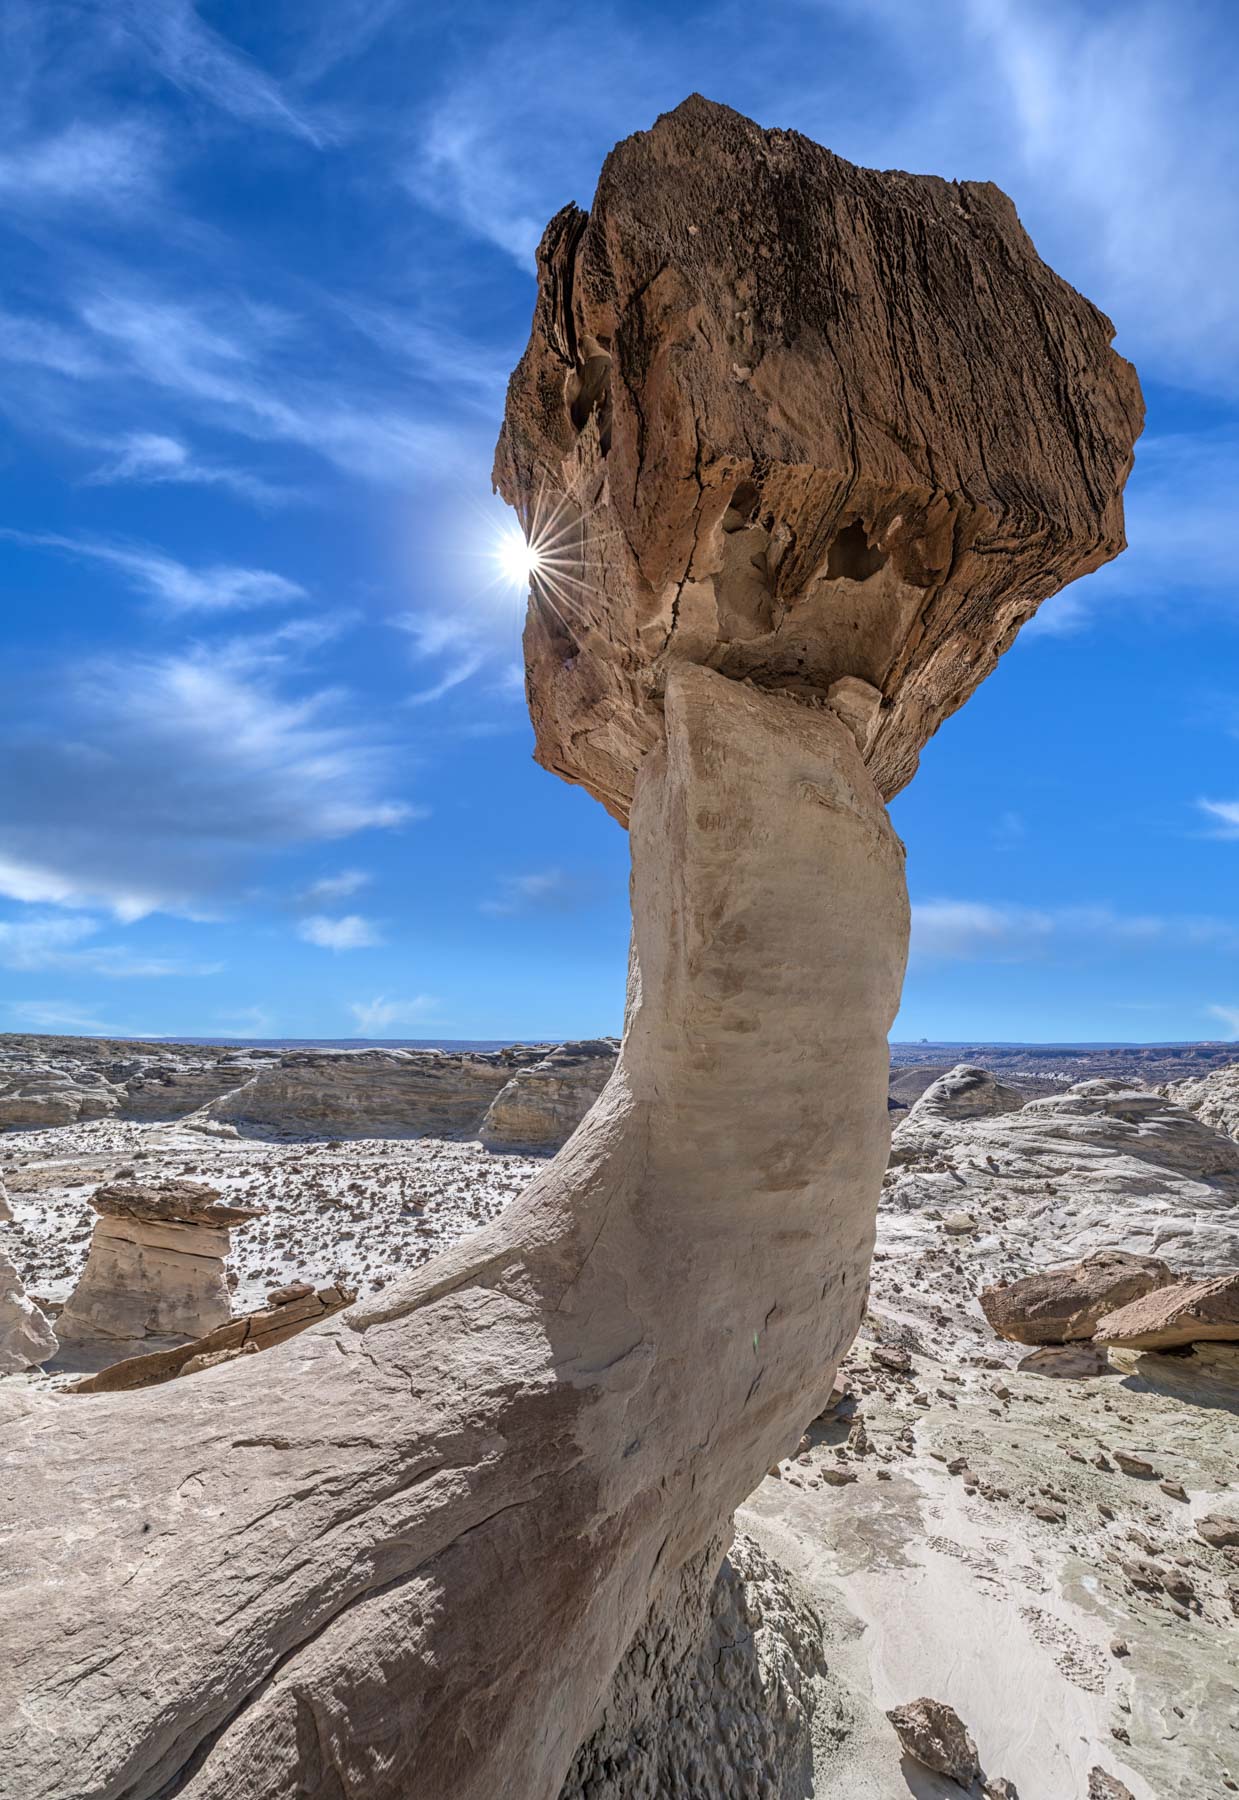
(543, 1103)
(316, 1093)
(1069, 1302)
(289, 1310)
(1196, 1312)
(156, 1264)
(575, 1400)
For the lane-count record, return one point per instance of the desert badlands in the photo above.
(651, 1419)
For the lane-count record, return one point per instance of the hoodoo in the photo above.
(798, 447)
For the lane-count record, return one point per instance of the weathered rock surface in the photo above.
(1214, 1098)
(289, 1311)
(309, 1093)
(1069, 1302)
(727, 1710)
(543, 1103)
(934, 1735)
(728, 435)
(156, 1264)
(1101, 1167)
(26, 1335)
(370, 1093)
(576, 1399)
(49, 1094)
(1187, 1313)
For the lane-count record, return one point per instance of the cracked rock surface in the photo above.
(836, 430)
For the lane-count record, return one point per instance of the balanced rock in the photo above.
(543, 1103)
(1057, 1305)
(932, 1733)
(156, 1264)
(1190, 1312)
(806, 427)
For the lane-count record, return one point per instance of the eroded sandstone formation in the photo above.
(26, 1335)
(544, 1102)
(816, 441)
(289, 1310)
(156, 1264)
(1063, 1304)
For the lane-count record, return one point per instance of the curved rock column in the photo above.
(800, 446)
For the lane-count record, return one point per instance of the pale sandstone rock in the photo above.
(1214, 1098)
(577, 1398)
(370, 1093)
(56, 1095)
(156, 1265)
(26, 1335)
(1194, 1312)
(1101, 1167)
(291, 1310)
(932, 1733)
(1069, 1302)
(542, 1105)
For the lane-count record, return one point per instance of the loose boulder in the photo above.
(1056, 1306)
(932, 1733)
(1191, 1312)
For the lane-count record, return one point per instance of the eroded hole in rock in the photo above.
(589, 387)
(851, 556)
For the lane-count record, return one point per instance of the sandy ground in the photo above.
(929, 1581)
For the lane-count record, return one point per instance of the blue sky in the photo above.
(264, 761)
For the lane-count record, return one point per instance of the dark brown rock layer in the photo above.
(806, 423)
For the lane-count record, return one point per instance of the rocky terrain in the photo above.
(1034, 1549)
(525, 1096)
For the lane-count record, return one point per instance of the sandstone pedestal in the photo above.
(800, 447)
(155, 1267)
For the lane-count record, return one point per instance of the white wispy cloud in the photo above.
(1229, 1015)
(196, 59)
(978, 931)
(62, 943)
(551, 890)
(1225, 813)
(114, 166)
(151, 458)
(57, 1015)
(178, 588)
(351, 932)
(337, 887)
(164, 777)
(246, 371)
(376, 1017)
